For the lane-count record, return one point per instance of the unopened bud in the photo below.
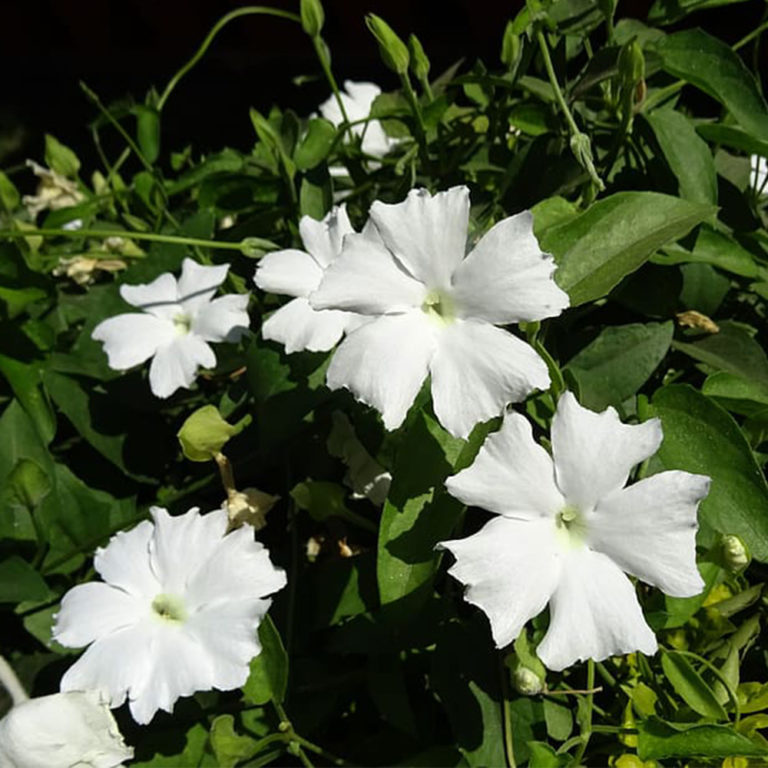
(312, 17)
(735, 553)
(631, 64)
(419, 60)
(526, 681)
(393, 50)
(510, 47)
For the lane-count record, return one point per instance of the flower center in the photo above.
(439, 306)
(571, 526)
(169, 608)
(182, 323)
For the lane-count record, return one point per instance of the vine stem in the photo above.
(509, 750)
(154, 237)
(322, 55)
(586, 730)
(248, 10)
(11, 683)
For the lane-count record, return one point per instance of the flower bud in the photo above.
(526, 681)
(393, 50)
(735, 553)
(510, 47)
(312, 17)
(419, 60)
(205, 433)
(631, 64)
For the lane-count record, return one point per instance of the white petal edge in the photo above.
(649, 530)
(594, 452)
(198, 283)
(594, 613)
(160, 297)
(323, 239)
(477, 369)
(289, 272)
(223, 319)
(175, 364)
(512, 475)
(133, 338)
(124, 562)
(507, 278)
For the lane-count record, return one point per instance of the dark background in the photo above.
(122, 47)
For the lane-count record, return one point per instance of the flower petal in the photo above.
(198, 284)
(298, 326)
(506, 278)
(133, 338)
(290, 272)
(93, 610)
(649, 530)
(384, 363)
(594, 613)
(223, 319)
(511, 568)
(594, 452)
(160, 297)
(124, 562)
(323, 239)
(477, 370)
(511, 476)
(175, 364)
(367, 279)
(427, 233)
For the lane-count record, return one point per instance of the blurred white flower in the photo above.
(82, 269)
(358, 99)
(758, 173)
(54, 191)
(65, 730)
(178, 320)
(298, 273)
(568, 531)
(435, 310)
(177, 612)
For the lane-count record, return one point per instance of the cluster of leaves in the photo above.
(632, 146)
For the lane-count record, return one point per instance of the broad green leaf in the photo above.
(269, 670)
(614, 237)
(60, 158)
(29, 483)
(690, 686)
(704, 288)
(669, 11)
(229, 746)
(716, 249)
(732, 136)
(657, 740)
(9, 195)
(316, 193)
(688, 156)
(543, 756)
(618, 362)
(316, 145)
(559, 720)
(711, 65)
(551, 212)
(156, 743)
(26, 384)
(20, 581)
(701, 437)
(737, 393)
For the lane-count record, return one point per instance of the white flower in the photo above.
(358, 99)
(298, 273)
(758, 173)
(177, 611)
(53, 192)
(65, 730)
(179, 318)
(568, 531)
(436, 310)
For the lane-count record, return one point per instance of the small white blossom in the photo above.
(758, 173)
(53, 192)
(358, 99)
(177, 611)
(434, 311)
(65, 730)
(568, 531)
(177, 321)
(298, 273)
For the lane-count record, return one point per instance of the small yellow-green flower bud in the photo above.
(510, 47)
(393, 50)
(419, 60)
(312, 17)
(631, 64)
(526, 681)
(735, 553)
(205, 433)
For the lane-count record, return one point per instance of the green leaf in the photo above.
(9, 195)
(20, 581)
(558, 719)
(711, 65)
(679, 609)
(326, 499)
(315, 145)
(543, 756)
(704, 288)
(26, 384)
(60, 158)
(736, 393)
(229, 746)
(316, 193)
(687, 155)
(29, 483)
(614, 237)
(268, 679)
(701, 437)
(204, 433)
(670, 11)
(148, 132)
(690, 686)
(733, 137)
(418, 512)
(618, 362)
(657, 740)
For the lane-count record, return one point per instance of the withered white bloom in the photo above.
(568, 531)
(249, 506)
(758, 173)
(65, 730)
(83, 269)
(177, 611)
(177, 321)
(54, 191)
(298, 273)
(435, 311)
(358, 99)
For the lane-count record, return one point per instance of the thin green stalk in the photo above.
(247, 10)
(657, 97)
(751, 36)
(154, 237)
(322, 55)
(509, 750)
(586, 730)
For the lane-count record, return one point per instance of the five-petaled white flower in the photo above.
(179, 318)
(64, 730)
(568, 531)
(298, 273)
(436, 311)
(177, 612)
(358, 99)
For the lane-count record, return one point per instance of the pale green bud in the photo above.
(205, 433)
(312, 17)
(631, 64)
(419, 60)
(510, 46)
(393, 50)
(735, 553)
(526, 681)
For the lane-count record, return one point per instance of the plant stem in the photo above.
(509, 751)
(248, 10)
(586, 729)
(154, 237)
(413, 100)
(322, 55)
(751, 36)
(11, 683)
(288, 735)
